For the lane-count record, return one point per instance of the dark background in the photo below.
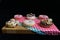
(8, 8)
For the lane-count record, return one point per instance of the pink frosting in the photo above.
(43, 16)
(18, 16)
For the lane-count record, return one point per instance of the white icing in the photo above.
(29, 22)
(49, 21)
(13, 20)
(12, 23)
(33, 17)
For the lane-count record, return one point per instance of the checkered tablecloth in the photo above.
(52, 30)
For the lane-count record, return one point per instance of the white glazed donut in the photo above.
(29, 22)
(12, 20)
(12, 23)
(31, 16)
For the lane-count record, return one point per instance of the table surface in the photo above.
(17, 29)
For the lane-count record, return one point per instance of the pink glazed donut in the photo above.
(18, 16)
(43, 17)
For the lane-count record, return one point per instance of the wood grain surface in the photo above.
(16, 30)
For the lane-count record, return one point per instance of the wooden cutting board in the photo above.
(16, 30)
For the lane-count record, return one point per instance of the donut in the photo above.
(43, 17)
(13, 23)
(18, 16)
(12, 20)
(28, 23)
(31, 16)
(46, 23)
